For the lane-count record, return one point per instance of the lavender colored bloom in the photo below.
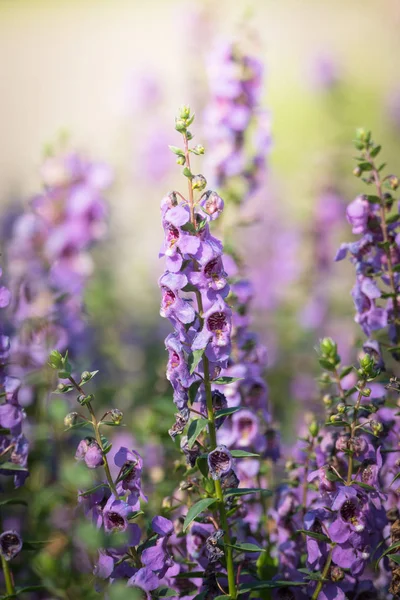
(89, 451)
(130, 463)
(157, 557)
(115, 515)
(10, 544)
(144, 579)
(215, 335)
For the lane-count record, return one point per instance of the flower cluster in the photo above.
(234, 121)
(113, 505)
(49, 263)
(376, 254)
(334, 511)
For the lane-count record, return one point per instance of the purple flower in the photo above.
(90, 451)
(157, 557)
(172, 306)
(357, 214)
(215, 335)
(144, 579)
(115, 515)
(212, 205)
(220, 462)
(130, 463)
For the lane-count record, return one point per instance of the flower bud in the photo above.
(357, 172)
(376, 427)
(337, 574)
(180, 160)
(393, 182)
(184, 112)
(116, 416)
(327, 400)
(313, 428)
(341, 408)
(86, 376)
(199, 149)
(89, 451)
(70, 419)
(10, 544)
(335, 418)
(199, 182)
(61, 387)
(180, 125)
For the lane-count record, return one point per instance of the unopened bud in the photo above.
(180, 160)
(116, 416)
(341, 408)
(337, 574)
(335, 418)
(199, 149)
(184, 112)
(393, 182)
(327, 400)
(62, 387)
(180, 125)
(357, 172)
(376, 427)
(85, 376)
(70, 419)
(199, 182)
(313, 428)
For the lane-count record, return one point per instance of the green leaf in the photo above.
(202, 465)
(363, 485)
(345, 371)
(245, 491)
(194, 388)
(9, 466)
(268, 585)
(389, 551)
(195, 428)
(189, 287)
(29, 588)
(395, 558)
(195, 510)
(188, 173)
(223, 412)
(325, 364)
(375, 151)
(365, 166)
(226, 380)
(13, 501)
(242, 454)
(177, 150)
(315, 536)
(392, 218)
(246, 547)
(194, 359)
(164, 592)
(372, 199)
(93, 489)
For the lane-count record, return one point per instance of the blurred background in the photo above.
(105, 78)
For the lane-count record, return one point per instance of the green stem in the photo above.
(218, 489)
(8, 578)
(390, 268)
(353, 428)
(211, 416)
(96, 429)
(323, 576)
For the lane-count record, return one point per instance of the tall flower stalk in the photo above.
(201, 344)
